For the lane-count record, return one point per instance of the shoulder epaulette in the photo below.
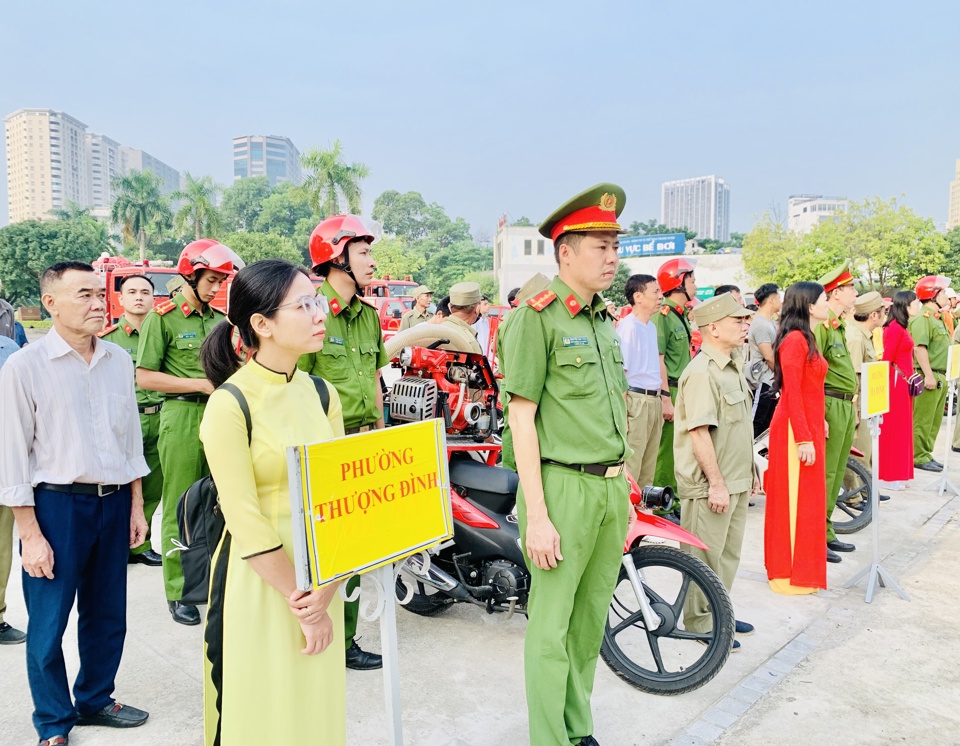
(109, 329)
(926, 314)
(664, 310)
(164, 308)
(542, 300)
(368, 301)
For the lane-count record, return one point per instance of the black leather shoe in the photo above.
(743, 628)
(955, 449)
(928, 466)
(840, 546)
(589, 741)
(10, 636)
(936, 463)
(884, 498)
(833, 557)
(115, 716)
(148, 558)
(184, 613)
(361, 660)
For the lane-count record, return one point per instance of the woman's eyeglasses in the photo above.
(310, 304)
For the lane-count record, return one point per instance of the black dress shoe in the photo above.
(840, 546)
(10, 635)
(115, 716)
(884, 498)
(148, 558)
(589, 741)
(833, 557)
(361, 660)
(936, 463)
(928, 466)
(184, 613)
(743, 628)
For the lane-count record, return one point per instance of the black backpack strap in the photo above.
(244, 407)
(323, 391)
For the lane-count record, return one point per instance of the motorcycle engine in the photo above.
(508, 581)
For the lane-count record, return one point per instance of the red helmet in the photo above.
(930, 286)
(329, 238)
(207, 253)
(670, 276)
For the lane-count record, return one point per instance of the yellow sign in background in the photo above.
(953, 362)
(368, 500)
(874, 389)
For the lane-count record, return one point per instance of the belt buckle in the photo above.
(101, 493)
(613, 471)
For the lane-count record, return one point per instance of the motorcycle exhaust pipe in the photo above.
(437, 578)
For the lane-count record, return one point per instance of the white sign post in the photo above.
(943, 483)
(874, 403)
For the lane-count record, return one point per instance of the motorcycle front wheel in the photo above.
(669, 659)
(854, 509)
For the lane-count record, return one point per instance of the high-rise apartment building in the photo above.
(953, 214)
(277, 158)
(103, 160)
(806, 211)
(134, 159)
(701, 204)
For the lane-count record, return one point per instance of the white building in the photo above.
(806, 211)
(272, 156)
(134, 159)
(520, 252)
(103, 161)
(701, 204)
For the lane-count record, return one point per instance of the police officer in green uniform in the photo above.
(351, 357)
(840, 388)
(136, 298)
(678, 286)
(168, 361)
(563, 390)
(932, 341)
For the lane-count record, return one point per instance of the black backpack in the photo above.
(200, 521)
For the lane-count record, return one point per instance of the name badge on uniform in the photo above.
(335, 340)
(187, 335)
(576, 342)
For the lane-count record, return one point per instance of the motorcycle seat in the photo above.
(493, 487)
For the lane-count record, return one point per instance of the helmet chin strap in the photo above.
(192, 281)
(346, 268)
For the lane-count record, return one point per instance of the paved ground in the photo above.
(820, 668)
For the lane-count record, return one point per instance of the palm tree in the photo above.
(330, 179)
(199, 210)
(70, 211)
(139, 207)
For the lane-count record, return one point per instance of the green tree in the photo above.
(29, 247)
(139, 208)
(401, 214)
(487, 282)
(71, 211)
(450, 265)
(771, 253)
(523, 222)
(198, 212)
(242, 203)
(736, 240)
(615, 291)
(330, 181)
(654, 227)
(252, 247)
(397, 257)
(952, 251)
(282, 210)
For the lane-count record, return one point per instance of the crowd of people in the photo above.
(102, 427)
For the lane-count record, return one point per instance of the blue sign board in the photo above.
(670, 243)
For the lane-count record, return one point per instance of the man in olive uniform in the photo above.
(168, 361)
(563, 390)
(678, 286)
(840, 388)
(931, 341)
(420, 312)
(715, 473)
(351, 357)
(868, 314)
(464, 301)
(136, 298)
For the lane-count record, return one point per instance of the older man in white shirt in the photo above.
(70, 468)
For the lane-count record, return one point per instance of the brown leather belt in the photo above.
(606, 471)
(361, 429)
(838, 395)
(648, 392)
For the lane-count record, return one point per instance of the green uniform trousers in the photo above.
(644, 425)
(665, 474)
(568, 605)
(351, 613)
(6, 555)
(841, 420)
(723, 534)
(927, 416)
(182, 463)
(152, 484)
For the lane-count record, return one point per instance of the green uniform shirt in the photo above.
(713, 393)
(860, 344)
(928, 330)
(566, 358)
(126, 336)
(170, 339)
(352, 354)
(831, 338)
(414, 317)
(673, 337)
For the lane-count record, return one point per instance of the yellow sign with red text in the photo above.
(953, 362)
(874, 389)
(367, 500)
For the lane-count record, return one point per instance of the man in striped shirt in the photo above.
(70, 468)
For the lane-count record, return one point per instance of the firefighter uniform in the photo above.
(928, 330)
(170, 339)
(126, 336)
(352, 354)
(673, 341)
(561, 352)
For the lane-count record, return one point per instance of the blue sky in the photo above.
(496, 107)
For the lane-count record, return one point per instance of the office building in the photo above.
(266, 155)
(134, 159)
(103, 162)
(953, 214)
(806, 211)
(520, 252)
(701, 204)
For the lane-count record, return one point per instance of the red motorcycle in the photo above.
(644, 640)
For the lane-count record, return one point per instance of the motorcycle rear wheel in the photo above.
(425, 601)
(854, 509)
(668, 660)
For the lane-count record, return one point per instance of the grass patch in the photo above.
(37, 324)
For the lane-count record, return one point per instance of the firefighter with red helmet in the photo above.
(352, 354)
(932, 341)
(676, 281)
(168, 361)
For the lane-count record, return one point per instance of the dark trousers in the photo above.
(90, 539)
(765, 403)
